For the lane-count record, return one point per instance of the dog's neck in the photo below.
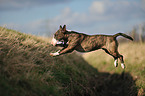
(68, 32)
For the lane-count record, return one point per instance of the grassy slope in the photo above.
(26, 69)
(134, 56)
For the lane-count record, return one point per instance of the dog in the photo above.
(71, 40)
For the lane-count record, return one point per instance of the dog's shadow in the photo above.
(107, 84)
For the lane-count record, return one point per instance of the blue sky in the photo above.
(43, 17)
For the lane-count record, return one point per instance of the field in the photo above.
(27, 69)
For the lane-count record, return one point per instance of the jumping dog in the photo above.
(85, 43)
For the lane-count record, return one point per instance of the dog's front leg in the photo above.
(71, 46)
(63, 51)
(55, 54)
(66, 50)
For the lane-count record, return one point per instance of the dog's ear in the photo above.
(64, 28)
(60, 27)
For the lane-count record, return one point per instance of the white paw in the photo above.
(116, 62)
(55, 54)
(122, 65)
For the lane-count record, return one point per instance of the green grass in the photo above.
(27, 69)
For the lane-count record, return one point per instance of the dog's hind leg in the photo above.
(116, 62)
(114, 56)
(112, 49)
(122, 61)
(114, 53)
(117, 55)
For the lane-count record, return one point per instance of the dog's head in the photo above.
(59, 35)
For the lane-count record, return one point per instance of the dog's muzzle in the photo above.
(54, 42)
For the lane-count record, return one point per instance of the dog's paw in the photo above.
(116, 62)
(123, 65)
(51, 54)
(54, 54)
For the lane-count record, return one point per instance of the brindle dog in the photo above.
(86, 43)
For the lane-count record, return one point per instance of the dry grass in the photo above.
(27, 69)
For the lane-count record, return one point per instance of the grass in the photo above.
(27, 69)
(134, 56)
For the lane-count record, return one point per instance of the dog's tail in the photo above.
(124, 35)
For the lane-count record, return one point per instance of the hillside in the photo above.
(26, 69)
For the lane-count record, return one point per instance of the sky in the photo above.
(43, 17)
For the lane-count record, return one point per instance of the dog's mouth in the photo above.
(55, 42)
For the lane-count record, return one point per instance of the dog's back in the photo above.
(88, 43)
